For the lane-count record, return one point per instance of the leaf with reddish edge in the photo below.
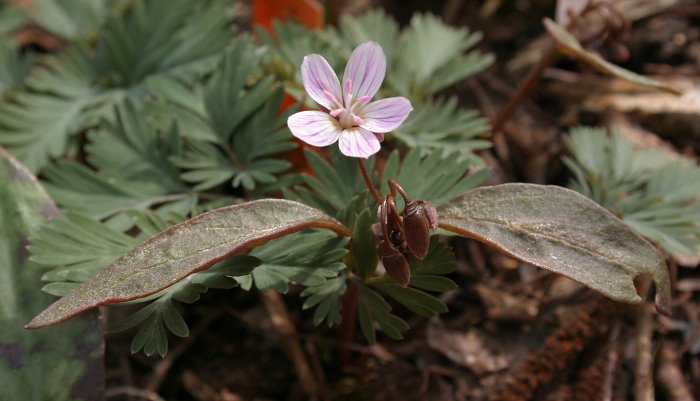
(186, 248)
(569, 45)
(563, 231)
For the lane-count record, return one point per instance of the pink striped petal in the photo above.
(358, 142)
(365, 70)
(320, 81)
(314, 127)
(385, 115)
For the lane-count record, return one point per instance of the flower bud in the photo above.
(418, 218)
(395, 264)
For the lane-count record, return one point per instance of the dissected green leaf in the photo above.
(335, 183)
(303, 258)
(77, 247)
(363, 253)
(35, 123)
(75, 371)
(427, 274)
(436, 177)
(650, 190)
(72, 90)
(441, 125)
(431, 56)
(184, 249)
(373, 310)
(79, 188)
(569, 45)
(186, 41)
(14, 66)
(233, 123)
(328, 300)
(11, 18)
(71, 19)
(130, 149)
(562, 231)
(417, 301)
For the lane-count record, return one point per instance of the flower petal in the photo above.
(358, 142)
(320, 80)
(365, 69)
(314, 127)
(385, 115)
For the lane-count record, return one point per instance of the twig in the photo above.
(348, 322)
(670, 377)
(282, 321)
(526, 85)
(317, 367)
(643, 376)
(130, 391)
(559, 349)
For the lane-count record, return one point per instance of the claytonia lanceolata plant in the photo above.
(359, 126)
(349, 117)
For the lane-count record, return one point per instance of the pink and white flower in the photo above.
(349, 117)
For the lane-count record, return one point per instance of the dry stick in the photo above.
(282, 321)
(526, 85)
(559, 349)
(670, 376)
(644, 361)
(347, 324)
(129, 391)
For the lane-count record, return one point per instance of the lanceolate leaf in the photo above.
(569, 45)
(61, 365)
(185, 248)
(562, 231)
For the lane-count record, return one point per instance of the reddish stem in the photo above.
(368, 181)
(347, 326)
(526, 85)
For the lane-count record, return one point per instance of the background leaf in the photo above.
(75, 349)
(652, 191)
(14, 66)
(568, 44)
(562, 231)
(72, 90)
(436, 177)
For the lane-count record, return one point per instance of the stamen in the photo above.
(364, 99)
(334, 113)
(330, 96)
(348, 86)
(357, 119)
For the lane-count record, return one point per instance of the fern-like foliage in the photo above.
(302, 258)
(80, 85)
(374, 311)
(441, 124)
(653, 192)
(14, 66)
(232, 123)
(72, 19)
(11, 18)
(436, 177)
(334, 184)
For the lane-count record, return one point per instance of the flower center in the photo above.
(347, 114)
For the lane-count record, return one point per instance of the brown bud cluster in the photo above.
(405, 235)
